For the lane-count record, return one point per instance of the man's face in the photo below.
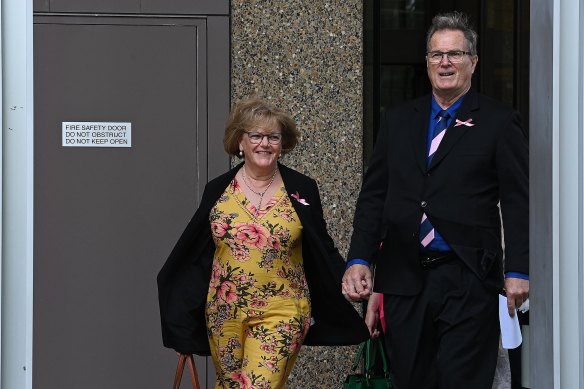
(448, 79)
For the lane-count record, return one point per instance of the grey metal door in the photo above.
(106, 218)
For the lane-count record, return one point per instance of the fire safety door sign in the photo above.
(96, 134)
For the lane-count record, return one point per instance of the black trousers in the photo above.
(446, 337)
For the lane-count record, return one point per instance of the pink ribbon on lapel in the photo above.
(467, 123)
(297, 197)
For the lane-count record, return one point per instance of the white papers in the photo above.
(510, 331)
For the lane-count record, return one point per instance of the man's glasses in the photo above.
(455, 56)
(257, 138)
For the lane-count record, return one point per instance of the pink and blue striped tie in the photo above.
(426, 228)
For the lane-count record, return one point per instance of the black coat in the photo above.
(183, 282)
(473, 169)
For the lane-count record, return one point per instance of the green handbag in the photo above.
(369, 380)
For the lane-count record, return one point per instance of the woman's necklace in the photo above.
(260, 194)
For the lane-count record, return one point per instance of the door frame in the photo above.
(17, 194)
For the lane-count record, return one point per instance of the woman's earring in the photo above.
(240, 154)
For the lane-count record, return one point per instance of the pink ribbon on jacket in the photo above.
(467, 123)
(297, 197)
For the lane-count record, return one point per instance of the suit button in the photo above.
(423, 204)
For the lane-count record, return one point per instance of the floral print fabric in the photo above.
(258, 305)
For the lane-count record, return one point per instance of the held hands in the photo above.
(357, 284)
(517, 291)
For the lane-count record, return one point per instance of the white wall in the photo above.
(557, 194)
(570, 200)
(17, 194)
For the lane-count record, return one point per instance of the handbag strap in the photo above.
(372, 348)
(182, 359)
(358, 356)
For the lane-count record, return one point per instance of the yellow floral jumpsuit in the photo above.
(258, 304)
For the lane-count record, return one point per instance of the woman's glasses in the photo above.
(257, 138)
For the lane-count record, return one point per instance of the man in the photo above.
(430, 199)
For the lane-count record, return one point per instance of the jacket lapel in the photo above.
(294, 186)
(454, 133)
(419, 130)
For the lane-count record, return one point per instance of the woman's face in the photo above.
(261, 147)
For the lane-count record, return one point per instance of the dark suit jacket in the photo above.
(183, 282)
(473, 169)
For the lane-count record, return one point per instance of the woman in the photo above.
(255, 274)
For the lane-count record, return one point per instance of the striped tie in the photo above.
(438, 133)
(426, 229)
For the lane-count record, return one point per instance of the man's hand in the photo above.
(517, 290)
(357, 283)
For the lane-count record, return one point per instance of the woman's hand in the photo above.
(372, 315)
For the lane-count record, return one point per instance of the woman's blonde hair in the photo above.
(254, 113)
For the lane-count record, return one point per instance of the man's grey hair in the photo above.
(454, 21)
